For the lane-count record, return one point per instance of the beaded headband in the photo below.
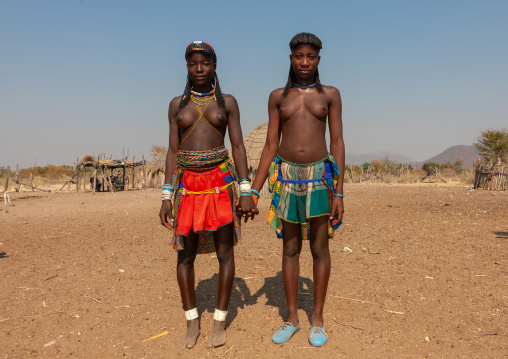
(200, 46)
(197, 46)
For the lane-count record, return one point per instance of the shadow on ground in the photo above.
(206, 297)
(502, 235)
(273, 289)
(241, 297)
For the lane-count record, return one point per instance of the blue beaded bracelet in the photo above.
(244, 179)
(338, 195)
(245, 194)
(255, 192)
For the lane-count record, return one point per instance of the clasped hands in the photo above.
(246, 206)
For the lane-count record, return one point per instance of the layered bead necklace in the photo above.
(199, 102)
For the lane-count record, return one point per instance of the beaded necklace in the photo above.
(199, 94)
(296, 86)
(200, 102)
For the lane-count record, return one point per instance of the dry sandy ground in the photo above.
(93, 276)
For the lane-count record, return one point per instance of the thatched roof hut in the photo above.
(254, 143)
(156, 170)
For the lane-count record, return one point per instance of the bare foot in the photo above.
(191, 336)
(218, 337)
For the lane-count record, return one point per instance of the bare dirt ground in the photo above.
(93, 276)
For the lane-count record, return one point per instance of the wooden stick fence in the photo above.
(491, 176)
(104, 168)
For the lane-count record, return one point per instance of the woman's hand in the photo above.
(337, 210)
(246, 207)
(166, 214)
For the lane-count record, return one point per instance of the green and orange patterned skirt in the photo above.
(301, 192)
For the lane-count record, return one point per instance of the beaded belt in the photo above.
(193, 159)
(328, 171)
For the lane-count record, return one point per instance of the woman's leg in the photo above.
(185, 277)
(224, 245)
(321, 265)
(292, 246)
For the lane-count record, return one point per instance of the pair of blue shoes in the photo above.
(317, 336)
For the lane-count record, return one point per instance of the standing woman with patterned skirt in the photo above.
(306, 181)
(199, 197)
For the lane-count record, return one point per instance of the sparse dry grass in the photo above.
(409, 177)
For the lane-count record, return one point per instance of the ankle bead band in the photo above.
(220, 315)
(191, 314)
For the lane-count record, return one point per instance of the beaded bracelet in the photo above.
(338, 195)
(244, 179)
(255, 192)
(167, 188)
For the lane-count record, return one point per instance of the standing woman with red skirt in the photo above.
(200, 202)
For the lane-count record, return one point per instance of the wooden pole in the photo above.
(104, 180)
(123, 174)
(110, 183)
(17, 177)
(84, 179)
(78, 168)
(38, 189)
(126, 185)
(32, 177)
(74, 173)
(133, 172)
(7, 178)
(144, 172)
(94, 173)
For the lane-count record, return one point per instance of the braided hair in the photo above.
(303, 38)
(207, 50)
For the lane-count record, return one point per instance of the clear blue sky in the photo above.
(78, 77)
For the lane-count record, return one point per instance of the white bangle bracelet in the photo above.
(191, 314)
(245, 187)
(220, 315)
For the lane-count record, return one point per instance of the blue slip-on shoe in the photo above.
(285, 333)
(317, 336)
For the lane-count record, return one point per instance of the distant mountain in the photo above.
(467, 153)
(368, 157)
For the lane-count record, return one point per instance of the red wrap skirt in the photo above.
(205, 203)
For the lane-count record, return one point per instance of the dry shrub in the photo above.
(413, 176)
(466, 177)
(409, 177)
(448, 173)
(87, 158)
